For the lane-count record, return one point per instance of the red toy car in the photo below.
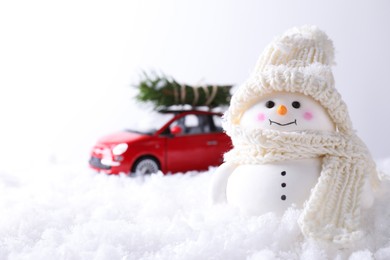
(190, 140)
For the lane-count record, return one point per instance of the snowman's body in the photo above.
(261, 188)
(273, 187)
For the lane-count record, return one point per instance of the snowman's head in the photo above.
(285, 111)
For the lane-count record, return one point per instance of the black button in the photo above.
(283, 197)
(283, 173)
(283, 184)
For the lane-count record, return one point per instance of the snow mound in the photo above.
(70, 212)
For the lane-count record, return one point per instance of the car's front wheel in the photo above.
(146, 165)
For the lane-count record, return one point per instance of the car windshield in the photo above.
(150, 123)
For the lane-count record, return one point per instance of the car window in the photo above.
(194, 124)
(191, 121)
(217, 120)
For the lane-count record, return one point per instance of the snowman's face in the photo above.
(287, 112)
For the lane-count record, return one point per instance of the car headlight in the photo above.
(119, 149)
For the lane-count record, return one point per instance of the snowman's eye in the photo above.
(270, 104)
(296, 104)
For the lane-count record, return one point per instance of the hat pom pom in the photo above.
(307, 36)
(298, 47)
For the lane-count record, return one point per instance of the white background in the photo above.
(66, 70)
(66, 67)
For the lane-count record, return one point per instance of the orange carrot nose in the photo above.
(282, 110)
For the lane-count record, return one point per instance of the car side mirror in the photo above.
(176, 130)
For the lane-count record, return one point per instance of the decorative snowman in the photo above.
(294, 144)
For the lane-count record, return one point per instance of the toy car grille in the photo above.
(96, 163)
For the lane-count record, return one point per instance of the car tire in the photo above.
(146, 165)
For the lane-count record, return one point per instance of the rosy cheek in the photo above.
(307, 115)
(261, 117)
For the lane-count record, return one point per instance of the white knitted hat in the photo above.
(298, 61)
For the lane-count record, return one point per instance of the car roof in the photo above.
(191, 111)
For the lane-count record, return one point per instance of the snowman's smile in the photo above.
(274, 122)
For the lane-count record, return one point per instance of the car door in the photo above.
(192, 149)
(218, 143)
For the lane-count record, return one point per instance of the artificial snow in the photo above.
(70, 212)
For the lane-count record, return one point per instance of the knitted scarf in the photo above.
(333, 210)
